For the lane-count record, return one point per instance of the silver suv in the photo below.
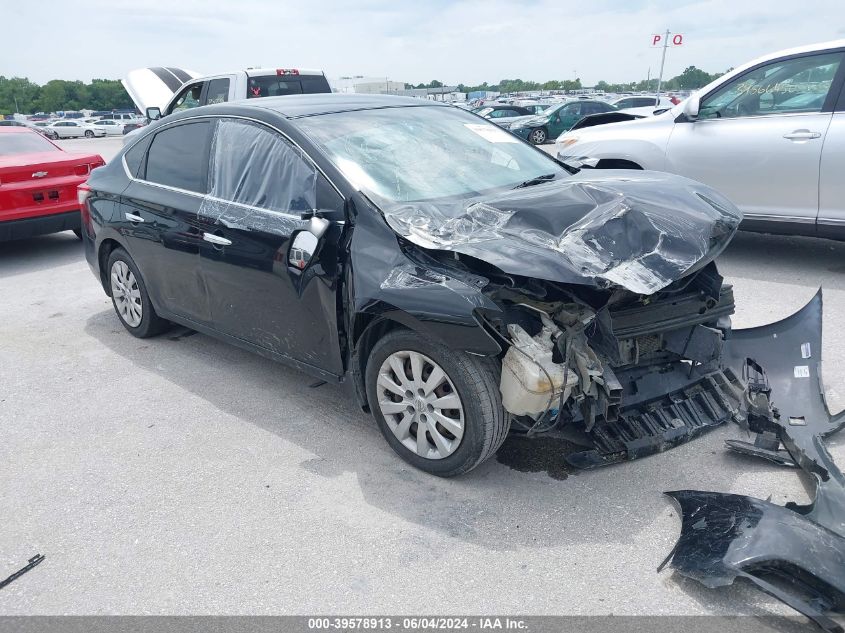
(770, 135)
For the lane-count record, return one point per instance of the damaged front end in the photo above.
(606, 300)
(636, 374)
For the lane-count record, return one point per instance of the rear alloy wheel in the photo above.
(89, 133)
(130, 299)
(438, 408)
(538, 136)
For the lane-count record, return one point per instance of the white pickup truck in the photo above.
(161, 91)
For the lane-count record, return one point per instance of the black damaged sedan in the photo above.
(460, 279)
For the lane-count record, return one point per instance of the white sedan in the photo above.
(70, 129)
(112, 128)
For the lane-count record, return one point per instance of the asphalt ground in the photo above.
(180, 475)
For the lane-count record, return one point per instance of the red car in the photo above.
(38, 182)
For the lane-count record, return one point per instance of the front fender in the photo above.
(386, 283)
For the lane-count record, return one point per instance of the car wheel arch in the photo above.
(103, 252)
(367, 330)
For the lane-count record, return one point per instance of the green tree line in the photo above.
(690, 79)
(19, 94)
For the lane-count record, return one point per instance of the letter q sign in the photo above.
(676, 39)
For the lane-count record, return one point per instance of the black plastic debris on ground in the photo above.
(795, 553)
(32, 562)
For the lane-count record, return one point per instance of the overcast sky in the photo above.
(467, 41)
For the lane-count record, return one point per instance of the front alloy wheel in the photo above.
(439, 408)
(420, 405)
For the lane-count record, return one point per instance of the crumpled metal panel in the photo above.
(637, 230)
(794, 552)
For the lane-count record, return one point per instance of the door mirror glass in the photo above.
(153, 114)
(303, 247)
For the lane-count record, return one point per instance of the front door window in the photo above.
(796, 85)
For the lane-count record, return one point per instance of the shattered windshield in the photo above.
(425, 153)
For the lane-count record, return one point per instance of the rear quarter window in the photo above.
(135, 156)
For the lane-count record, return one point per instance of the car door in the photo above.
(758, 138)
(159, 215)
(567, 116)
(61, 129)
(268, 285)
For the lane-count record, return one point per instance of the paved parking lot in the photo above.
(181, 475)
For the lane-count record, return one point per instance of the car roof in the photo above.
(293, 106)
(808, 48)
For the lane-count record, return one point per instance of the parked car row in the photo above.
(540, 123)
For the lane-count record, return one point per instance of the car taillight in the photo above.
(82, 170)
(83, 191)
(286, 71)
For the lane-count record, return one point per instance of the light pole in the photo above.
(662, 62)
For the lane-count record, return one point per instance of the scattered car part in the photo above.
(33, 562)
(795, 553)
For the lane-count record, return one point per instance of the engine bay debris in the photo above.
(795, 553)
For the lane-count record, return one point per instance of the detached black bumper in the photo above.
(41, 225)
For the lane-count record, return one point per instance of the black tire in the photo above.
(538, 136)
(151, 324)
(476, 380)
(89, 134)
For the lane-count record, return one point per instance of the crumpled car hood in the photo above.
(637, 230)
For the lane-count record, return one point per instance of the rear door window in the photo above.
(178, 157)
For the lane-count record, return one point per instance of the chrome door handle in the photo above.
(801, 135)
(216, 239)
(133, 218)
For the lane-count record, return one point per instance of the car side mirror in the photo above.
(691, 106)
(153, 114)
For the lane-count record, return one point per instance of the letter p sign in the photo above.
(656, 39)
